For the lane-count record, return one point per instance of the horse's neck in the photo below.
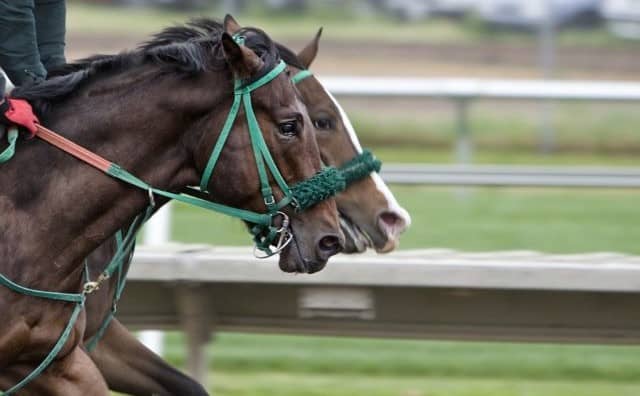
(59, 209)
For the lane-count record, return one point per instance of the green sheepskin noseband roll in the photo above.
(330, 181)
(323, 185)
(360, 167)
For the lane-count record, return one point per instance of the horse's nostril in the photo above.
(392, 221)
(330, 245)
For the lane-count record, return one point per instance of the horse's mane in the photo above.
(212, 28)
(186, 49)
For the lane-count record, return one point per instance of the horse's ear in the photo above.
(242, 61)
(308, 54)
(231, 26)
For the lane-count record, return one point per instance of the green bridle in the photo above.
(268, 237)
(325, 184)
(264, 231)
(301, 195)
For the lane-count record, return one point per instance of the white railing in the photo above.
(431, 294)
(464, 91)
(465, 88)
(512, 175)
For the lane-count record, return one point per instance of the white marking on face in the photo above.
(392, 203)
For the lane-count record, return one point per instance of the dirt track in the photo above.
(366, 58)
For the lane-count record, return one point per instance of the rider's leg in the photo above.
(19, 55)
(50, 31)
(129, 367)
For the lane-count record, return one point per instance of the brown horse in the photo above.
(370, 214)
(130, 367)
(157, 112)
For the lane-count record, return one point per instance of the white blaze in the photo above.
(393, 204)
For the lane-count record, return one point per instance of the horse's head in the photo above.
(242, 131)
(289, 136)
(370, 214)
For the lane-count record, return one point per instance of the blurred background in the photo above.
(484, 40)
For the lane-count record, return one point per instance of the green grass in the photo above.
(285, 384)
(409, 358)
(278, 383)
(562, 221)
(245, 364)
(591, 129)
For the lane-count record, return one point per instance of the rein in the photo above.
(325, 184)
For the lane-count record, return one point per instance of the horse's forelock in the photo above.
(262, 45)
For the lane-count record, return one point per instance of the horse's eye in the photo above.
(289, 128)
(322, 123)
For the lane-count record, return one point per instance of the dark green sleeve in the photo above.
(50, 30)
(19, 56)
(3, 86)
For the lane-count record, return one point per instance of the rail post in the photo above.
(464, 145)
(157, 232)
(195, 320)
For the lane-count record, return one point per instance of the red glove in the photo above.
(18, 112)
